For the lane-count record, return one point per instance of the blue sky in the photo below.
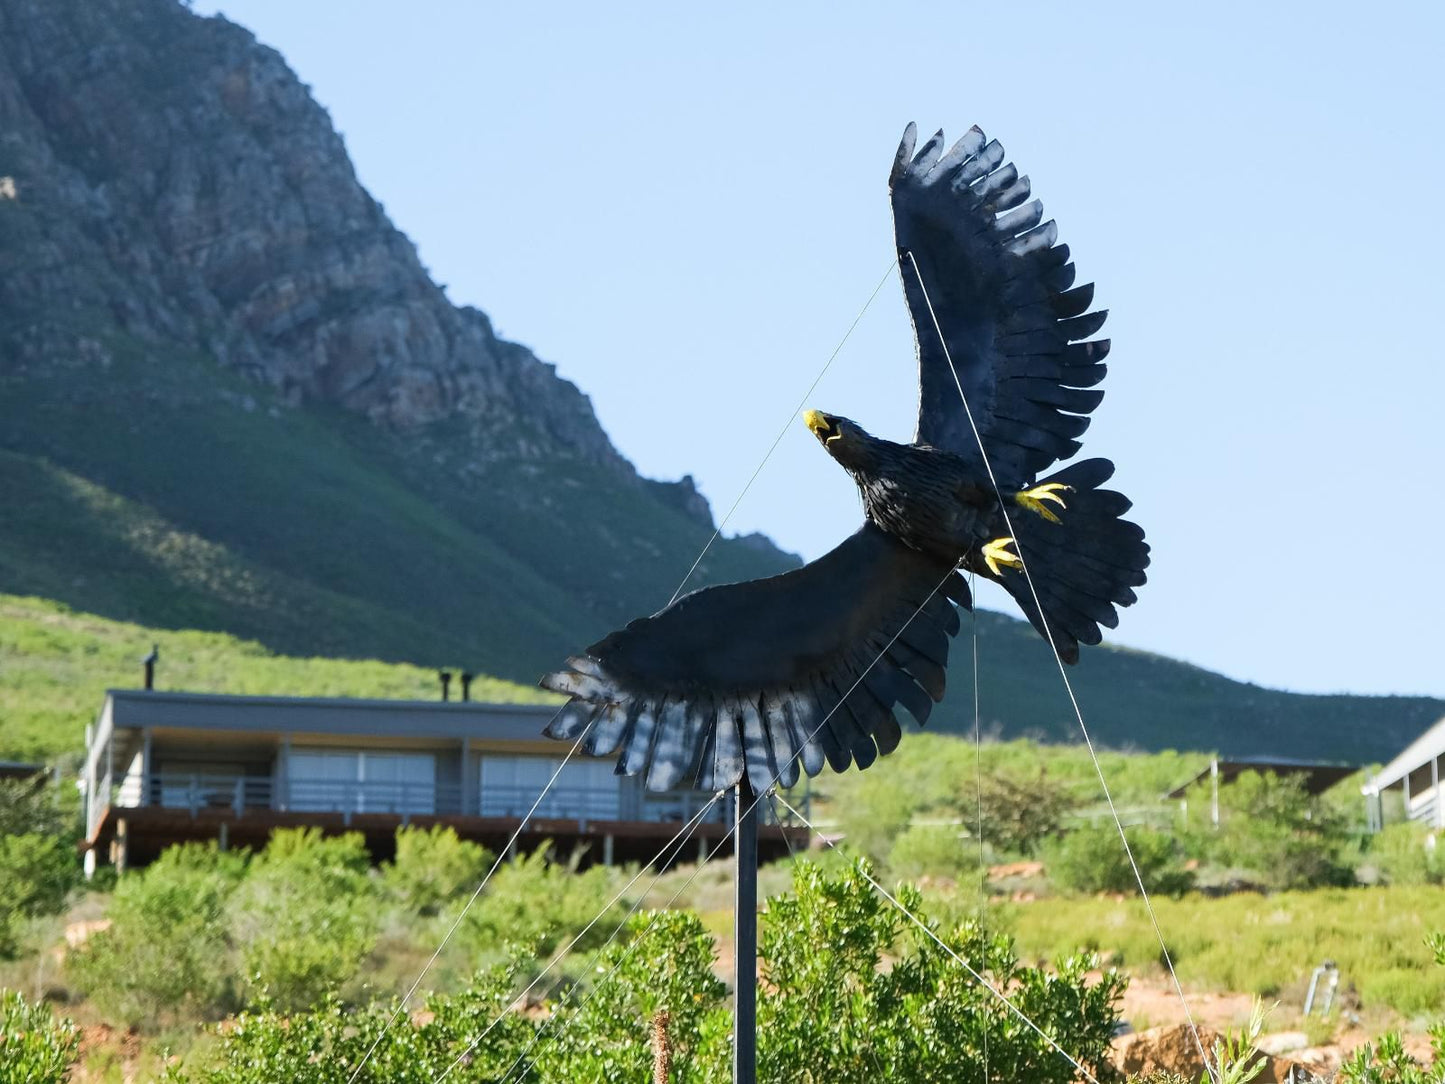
(684, 208)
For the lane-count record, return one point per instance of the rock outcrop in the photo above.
(170, 173)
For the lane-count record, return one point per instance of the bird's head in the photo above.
(843, 439)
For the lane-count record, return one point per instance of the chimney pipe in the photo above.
(150, 666)
(446, 679)
(467, 684)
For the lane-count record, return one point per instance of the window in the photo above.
(586, 789)
(357, 782)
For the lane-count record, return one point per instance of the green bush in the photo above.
(1273, 829)
(1387, 1062)
(33, 805)
(1020, 813)
(538, 902)
(1092, 859)
(433, 866)
(934, 850)
(166, 950)
(35, 1048)
(831, 1010)
(828, 1010)
(601, 1035)
(1407, 854)
(305, 917)
(36, 873)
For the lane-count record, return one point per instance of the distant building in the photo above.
(164, 767)
(1416, 773)
(19, 769)
(1317, 777)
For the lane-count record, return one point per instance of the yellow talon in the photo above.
(1033, 499)
(997, 553)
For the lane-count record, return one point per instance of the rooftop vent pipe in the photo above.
(150, 664)
(446, 680)
(467, 684)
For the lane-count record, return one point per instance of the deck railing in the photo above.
(239, 794)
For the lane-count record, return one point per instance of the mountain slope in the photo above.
(206, 319)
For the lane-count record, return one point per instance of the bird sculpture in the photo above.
(771, 677)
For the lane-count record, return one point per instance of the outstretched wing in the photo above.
(1001, 292)
(798, 669)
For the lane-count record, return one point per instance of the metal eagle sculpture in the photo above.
(773, 676)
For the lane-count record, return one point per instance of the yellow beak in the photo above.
(816, 422)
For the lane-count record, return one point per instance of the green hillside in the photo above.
(56, 662)
(1138, 700)
(55, 665)
(176, 494)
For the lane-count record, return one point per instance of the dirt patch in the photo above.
(1015, 869)
(1176, 1050)
(100, 1043)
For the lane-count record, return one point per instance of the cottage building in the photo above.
(164, 767)
(1416, 773)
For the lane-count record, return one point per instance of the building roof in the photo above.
(17, 769)
(135, 708)
(1422, 750)
(1319, 776)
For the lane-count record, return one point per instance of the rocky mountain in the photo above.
(181, 183)
(205, 318)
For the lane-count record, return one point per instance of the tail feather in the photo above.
(1085, 566)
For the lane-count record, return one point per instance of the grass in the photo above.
(1264, 945)
(55, 665)
(165, 490)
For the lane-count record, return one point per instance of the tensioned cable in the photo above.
(577, 1012)
(679, 838)
(793, 857)
(706, 546)
(978, 775)
(756, 798)
(784, 431)
(977, 976)
(1058, 660)
(771, 787)
(501, 854)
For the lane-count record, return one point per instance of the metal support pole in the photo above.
(1214, 792)
(745, 938)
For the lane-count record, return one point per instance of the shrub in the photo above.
(831, 1011)
(36, 873)
(35, 1048)
(1092, 859)
(166, 949)
(1387, 1062)
(937, 850)
(1407, 854)
(433, 866)
(540, 903)
(1020, 813)
(1271, 827)
(305, 917)
(30, 805)
(827, 1010)
(664, 964)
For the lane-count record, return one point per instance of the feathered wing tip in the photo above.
(840, 715)
(998, 284)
